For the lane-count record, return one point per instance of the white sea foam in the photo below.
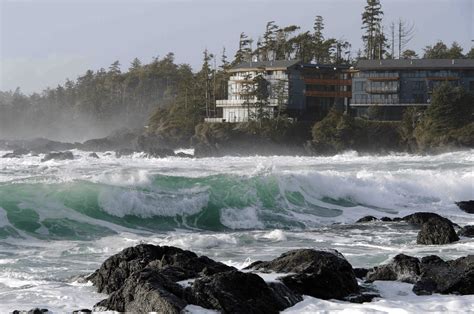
(240, 218)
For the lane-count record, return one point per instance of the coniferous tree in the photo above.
(374, 39)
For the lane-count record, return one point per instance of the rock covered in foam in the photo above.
(58, 156)
(321, 274)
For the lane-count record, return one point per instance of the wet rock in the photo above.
(58, 156)
(175, 263)
(466, 231)
(38, 311)
(82, 311)
(160, 152)
(11, 155)
(360, 272)
(367, 219)
(386, 219)
(234, 292)
(145, 291)
(362, 297)
(184, 155)
(321, 274)
(467, 206)
(421, 217)
(117, 140)
(402, 268)
(284, 295)
(437, 231)
(93, 155)
(437, 276)
(124, 152)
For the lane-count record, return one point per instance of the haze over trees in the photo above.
(177, 98)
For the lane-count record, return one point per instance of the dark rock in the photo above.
(360, 272)
(124, 152)
(11, 155)
(466, 231)
(386, 219)
(437, 231)
(160, 152)
(438, 276)
(82, 311)
(234, 292)
(284, 295)
(38, 311)
(421, 217)
(362, 297)
(120, 139)
(397, 219)
(58, 156)
(321, 274)
(93, 155)
(145, 291)
(467, 206)
(367, 219)
(184, 155)
(402, 268)
(176, 264)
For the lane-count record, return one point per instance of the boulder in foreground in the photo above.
(437, 231)
(321, 274)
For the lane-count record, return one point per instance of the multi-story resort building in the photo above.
(393, 85)
(305, 91)
(308, 91)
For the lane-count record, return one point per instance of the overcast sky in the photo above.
(44, 42)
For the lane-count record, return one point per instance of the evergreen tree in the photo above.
(244, 53)
(374, 39)
(409, 54)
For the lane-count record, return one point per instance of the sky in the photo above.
(43, 42)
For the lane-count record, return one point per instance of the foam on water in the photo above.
(60, 219)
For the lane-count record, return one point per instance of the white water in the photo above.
(37, 273)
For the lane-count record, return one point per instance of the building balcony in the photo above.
(336, 94)
(336, 82)
(242, 102)
(382, 90)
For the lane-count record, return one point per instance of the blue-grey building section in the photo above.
(394, 85)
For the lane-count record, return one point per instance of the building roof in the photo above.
(415, 64)
(274, 64)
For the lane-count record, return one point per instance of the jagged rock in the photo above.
(284, 295)
(467, 206)
(367, 219)
(234, 292)
(360, 272)
(184, 155)
(117, 140)
(321, 274)
(58, 156)
(466, 231)
(421, 217)
(145, 291)
(437, 231)
(161, 152)
(402, 268)
(124, 152)
(175, 263)
(438, 276)
(93, 155)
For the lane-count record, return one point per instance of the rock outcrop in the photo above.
(321, 274)
(429, 275)
(467, 206)
(437, 231)
(58, 156)
(466, 231)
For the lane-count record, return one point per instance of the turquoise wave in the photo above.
(81, 210)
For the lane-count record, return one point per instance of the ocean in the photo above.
(61, 219)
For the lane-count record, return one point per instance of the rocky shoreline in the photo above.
(167, 279)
